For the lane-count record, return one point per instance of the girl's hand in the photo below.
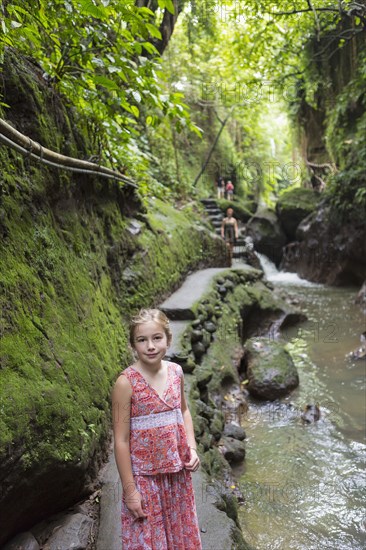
(135, 505)
(194, 463)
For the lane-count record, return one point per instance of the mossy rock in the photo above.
(217, 424)
(293, 206)
(270, 369)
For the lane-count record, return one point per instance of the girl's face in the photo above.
(150, 343)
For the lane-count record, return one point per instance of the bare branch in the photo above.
(218, 118)
(205, 164)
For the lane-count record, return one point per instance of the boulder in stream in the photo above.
(232, 449)
(270, 369)
(267, 235)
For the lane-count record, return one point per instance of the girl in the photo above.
(154, 444)
(229, 231)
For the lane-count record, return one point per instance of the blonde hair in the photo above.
(147, 315)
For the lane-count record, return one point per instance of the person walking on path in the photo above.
(220, 184)
(229, 231)
(229, 190)
(154, 444)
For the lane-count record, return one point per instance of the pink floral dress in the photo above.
(159, 449)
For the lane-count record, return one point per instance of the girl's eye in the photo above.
(158, 338)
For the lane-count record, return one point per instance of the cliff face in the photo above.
(328, 252)
(329, 246)
(78, 255)
(332, 67)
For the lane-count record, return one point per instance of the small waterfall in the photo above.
(285, 277)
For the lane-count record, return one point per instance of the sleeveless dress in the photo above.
(159, 449)
(229, 231)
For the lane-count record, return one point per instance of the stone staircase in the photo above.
(216, 216)
(214, 213)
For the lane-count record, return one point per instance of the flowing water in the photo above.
(305, 484)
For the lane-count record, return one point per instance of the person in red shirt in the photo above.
(229, 190)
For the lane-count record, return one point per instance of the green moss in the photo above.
(299, 198)
(270, 360)
(64, 305)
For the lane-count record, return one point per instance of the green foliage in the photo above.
(249, 61)
(100, 56)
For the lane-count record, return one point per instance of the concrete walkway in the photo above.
(215, 525)
(178, 305)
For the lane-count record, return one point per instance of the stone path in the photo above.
(215, 525)
(178, 305)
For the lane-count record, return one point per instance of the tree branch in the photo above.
(280, 13)
(205, 164)
(316, 18)
(218, 118)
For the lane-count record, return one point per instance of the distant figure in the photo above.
(229, 231)
(220, 184)
(229, 190)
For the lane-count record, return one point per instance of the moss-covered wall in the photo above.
(72, 271)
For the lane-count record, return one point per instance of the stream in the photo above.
(304, 484)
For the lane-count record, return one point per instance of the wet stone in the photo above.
(217, 425)
(232, 449)
(23, 541)
(206, 339)
(196, 336)
(204, 410)
(207, 440)
(198, 350)
(200, 426)
(203, 376)
(234, 431)
(229, 285)
(210, 326)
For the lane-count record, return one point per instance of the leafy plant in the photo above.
(100, 55)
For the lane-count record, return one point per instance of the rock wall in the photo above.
(78, 255)
(328, 252)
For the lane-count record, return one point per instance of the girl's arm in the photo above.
(188, 424)
(121, 404)
(236, 230)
